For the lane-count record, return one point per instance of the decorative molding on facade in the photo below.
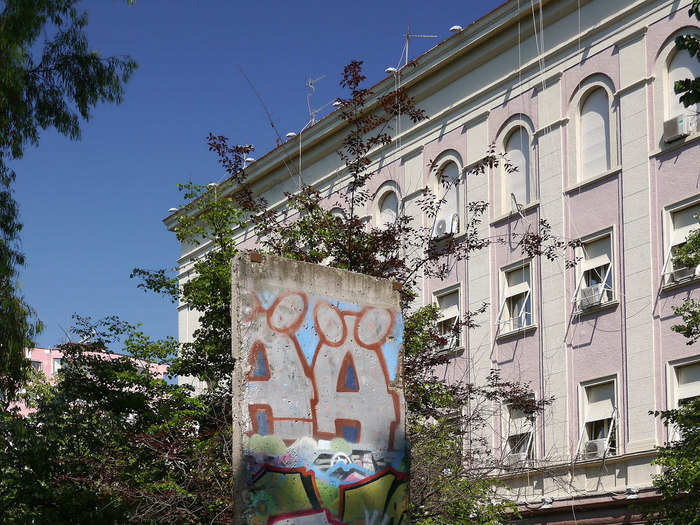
(588, 182)
(506, 216)
(551, 126)
(634, 85)
(632, 37)
(548, 81)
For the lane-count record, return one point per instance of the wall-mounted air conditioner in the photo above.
(594, 449)
(446, 225)
(590, 296)
(678, 127)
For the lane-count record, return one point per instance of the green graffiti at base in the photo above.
(382, 496)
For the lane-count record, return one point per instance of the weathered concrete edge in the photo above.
(317, 280)
(237, 398)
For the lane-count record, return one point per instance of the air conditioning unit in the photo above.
(678, 127)
(515, 458)
(682, 274)
(454, 223)
(446, 226)
(594, 449)
(590, 296)
(440, 229)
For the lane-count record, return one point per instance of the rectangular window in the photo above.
(519, 446)
(36, 365)
(448, 320)
(55, 365)
(598, 436)
(682, 223)
(595, 278)
(516, 305)
(688, 383)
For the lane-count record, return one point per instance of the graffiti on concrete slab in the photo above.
(325, 440)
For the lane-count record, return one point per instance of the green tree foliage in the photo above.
(49, 78)
(689, 88)
(679, 482)
(688, 256)
(113, 442)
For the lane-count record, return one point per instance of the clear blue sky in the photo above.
(92, 209)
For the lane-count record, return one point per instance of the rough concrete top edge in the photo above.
(287, 274)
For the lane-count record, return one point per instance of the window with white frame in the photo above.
(388, 208)
(36, 365)
(687, 383)
(520, 432)
(448, 318)
(447, 189)
(682, 223)
(55, 365)
(517, 176)
(594, 132)
(598, 436)
(682, 66)
(516, 304)
(595, 278)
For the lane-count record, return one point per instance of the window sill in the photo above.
(676, 144)
(598, 178)
(673, 286)
(610, 305)
(451, 353)
(445, 238)
(525, 330)
(527, 208)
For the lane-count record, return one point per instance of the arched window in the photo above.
(682, 66)
(388, 208)
(517, 181)
(595, 134)
(447, 218)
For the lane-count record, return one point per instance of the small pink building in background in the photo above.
(49, 362)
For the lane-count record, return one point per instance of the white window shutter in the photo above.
(600, 401)
(448, 305)
(518, 423)
(388, 209)
(595, 134)
(449, 175)
(518, 182)
(681, 67)
(688, 380)
(596, 253)
(684, 223)
(517, 280)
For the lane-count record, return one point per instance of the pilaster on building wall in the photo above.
(588, 93)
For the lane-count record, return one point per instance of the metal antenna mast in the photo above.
(410, 35)
(311, 89)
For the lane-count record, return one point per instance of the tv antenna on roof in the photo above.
(408, 36)
(311, 89)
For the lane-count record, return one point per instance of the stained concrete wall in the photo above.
(318, 403)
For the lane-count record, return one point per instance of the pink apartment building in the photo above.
(581, 100)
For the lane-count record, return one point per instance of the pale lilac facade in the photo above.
(589, 95)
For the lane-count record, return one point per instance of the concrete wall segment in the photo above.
(315, 347)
